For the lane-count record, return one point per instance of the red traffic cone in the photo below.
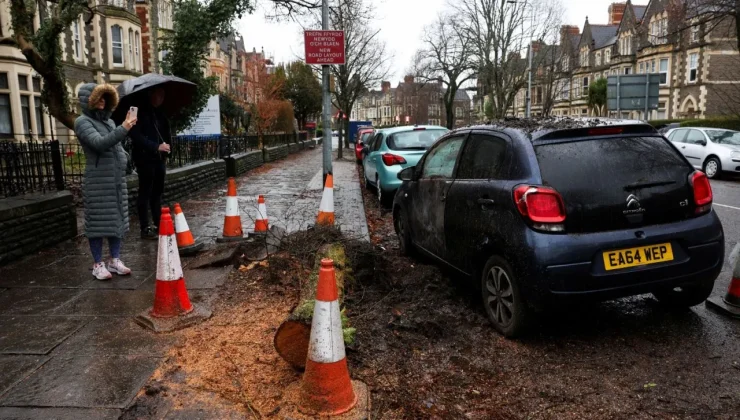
(172, 308)
(730, 304)
(326, 208)
(260, 223)
(232, 220)
(185, 242)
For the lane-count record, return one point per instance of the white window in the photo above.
(131, 48)
(565, 63)
(584, 92)
(76, 40)
(118, 3)
(625, 45)
(693, 66)
(663, 71)
(607, 56)
(598, 59)
(584, 58)
(565, 92)
(117, 44)
(661, 115)
(695, 33)
(576, 88)
(136, 50)
(641, 68)
(652, 66)
(627, 70)
(458, 112)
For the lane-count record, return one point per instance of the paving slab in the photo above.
(35, 334)
(206, 278)
(115, 336)
(25, 413)
(17, 367)
(109, 303)
(30, 301)
(129, 282)
(57, 275)
(83, 381)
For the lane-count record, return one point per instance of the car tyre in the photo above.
(502, 298)
(401, 225)
(713, 168)
(686, 296)
(365, 183)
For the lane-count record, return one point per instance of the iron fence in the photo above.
(188, 150)
(27, 167)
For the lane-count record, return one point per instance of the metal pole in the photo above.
(327, 146)
(529, 83)
(647, 95)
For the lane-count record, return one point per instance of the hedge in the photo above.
(662, 123)
(726, 123)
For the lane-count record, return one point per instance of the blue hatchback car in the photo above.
(391, 150)
(537, 214)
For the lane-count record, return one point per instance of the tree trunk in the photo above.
(291, 338)
(341, 133)
(346, 139)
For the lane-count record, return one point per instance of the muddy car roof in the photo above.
(536, 128)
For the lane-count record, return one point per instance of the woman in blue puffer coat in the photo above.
(105, 197)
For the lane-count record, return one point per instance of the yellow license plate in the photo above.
(633, 257)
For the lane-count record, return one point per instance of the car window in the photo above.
(695, 137)
(378, 142)
(724, 137)
(441, 160)
(483, 158)
(678, 136)
(365, 137)
(414, 140)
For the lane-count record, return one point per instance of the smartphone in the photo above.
(134, 111)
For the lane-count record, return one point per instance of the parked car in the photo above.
(713, 150)
(393, 149)
(362, 135)
(544, 217)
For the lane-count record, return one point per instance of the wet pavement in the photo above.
(69, 347)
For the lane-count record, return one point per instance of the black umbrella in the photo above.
(133, 92)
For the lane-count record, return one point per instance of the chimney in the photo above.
(566, 30)
(385, 86)
(409, 79)
(616, 11)
(536, 46)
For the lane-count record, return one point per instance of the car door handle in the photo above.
(683, 147)
(485, 201)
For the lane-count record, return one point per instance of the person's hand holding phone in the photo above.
(130, 120)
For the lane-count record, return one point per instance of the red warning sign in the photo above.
(324, 47)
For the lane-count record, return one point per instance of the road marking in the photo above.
(729, 207)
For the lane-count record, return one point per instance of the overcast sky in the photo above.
(401, 23)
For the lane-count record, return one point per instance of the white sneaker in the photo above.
(100, 272)
(116, 266)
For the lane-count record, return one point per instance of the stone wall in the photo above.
(32, 222)
(271, 154)
(247, 161)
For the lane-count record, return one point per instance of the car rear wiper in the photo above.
(639, 185)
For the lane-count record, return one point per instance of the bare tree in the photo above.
(446, 56)
(366, 60)
(499, 31)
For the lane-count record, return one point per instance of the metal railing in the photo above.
(40, 166)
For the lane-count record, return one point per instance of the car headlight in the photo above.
(735, 154)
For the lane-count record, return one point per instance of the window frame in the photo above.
(10, 116)
(442, 142)
(113, 43)
(77, 40)
(504, 166)
(38, 111)
(695, 67)
(26, 117)
(131, 47)
(661, 72)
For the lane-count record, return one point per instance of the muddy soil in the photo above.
(427, 350)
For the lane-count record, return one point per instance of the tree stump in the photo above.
(292, 337)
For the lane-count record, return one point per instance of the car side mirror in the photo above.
(407, 174)
(703, 143)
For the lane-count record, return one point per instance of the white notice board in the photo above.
(208, 122)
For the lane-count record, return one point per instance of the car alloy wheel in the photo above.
(712, 168)
(500, 302)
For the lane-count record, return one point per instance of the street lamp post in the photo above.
(529, 65)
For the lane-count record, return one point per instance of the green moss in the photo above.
(305, 311)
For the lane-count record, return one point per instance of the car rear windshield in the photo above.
(724, 136)
(598, 177)
(365, 136)
(414, 140)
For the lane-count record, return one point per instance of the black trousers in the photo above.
(151, 186)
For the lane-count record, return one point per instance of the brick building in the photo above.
(699, 65)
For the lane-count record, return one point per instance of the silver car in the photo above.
(713, 150)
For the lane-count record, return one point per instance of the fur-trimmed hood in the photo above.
(91, 93)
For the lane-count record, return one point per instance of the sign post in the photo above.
(633, 92)
(325, 48)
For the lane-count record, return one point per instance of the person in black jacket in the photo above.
(150, 146)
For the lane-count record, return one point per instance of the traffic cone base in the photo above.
(291, 406)
(730, 304)
(172, 308)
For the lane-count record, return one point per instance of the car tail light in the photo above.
(702, 192)
(542, 206)
(390, 159)
(605, 131)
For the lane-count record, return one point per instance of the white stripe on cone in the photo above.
(326, 344)
(232, 206)
(181, 225)
(327, 201)
(261, 212)
(168, 261)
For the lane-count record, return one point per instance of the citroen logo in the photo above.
(633, 203)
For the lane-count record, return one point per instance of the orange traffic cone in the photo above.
(326, 388)
(730, 304)
(172, 308)
(185, 242)
(260, 223)
(232, 220)
(326, 208)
